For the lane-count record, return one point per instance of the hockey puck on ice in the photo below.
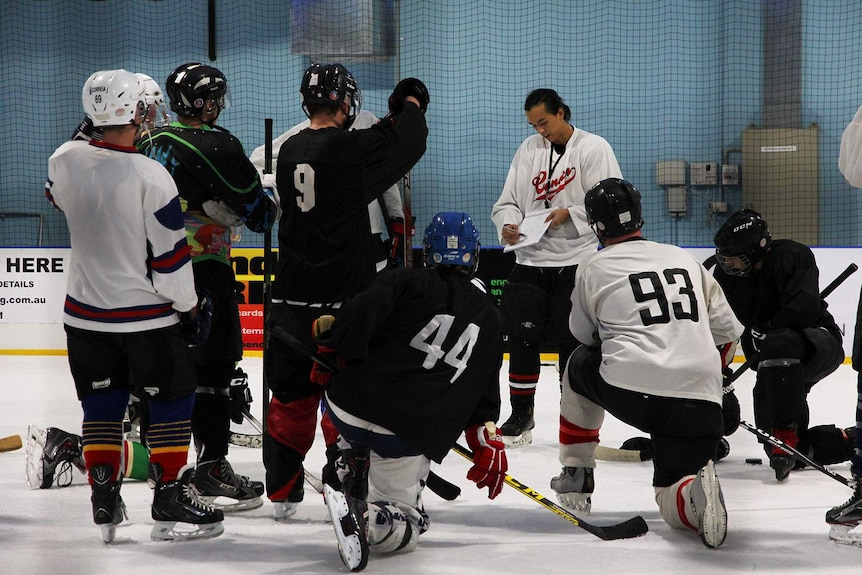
(754, 461)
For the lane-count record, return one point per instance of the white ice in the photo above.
(772, 528)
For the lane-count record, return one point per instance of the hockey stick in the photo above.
(439, 486)
(10, 443)
(409, 222)
(619, 454)
(634, 527)
(796, 454)
(267, 261)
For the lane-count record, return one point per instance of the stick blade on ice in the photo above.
(11, 443)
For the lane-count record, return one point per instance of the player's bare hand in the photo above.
(558, 217)
(510, 234)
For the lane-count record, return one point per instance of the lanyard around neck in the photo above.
(551, 167)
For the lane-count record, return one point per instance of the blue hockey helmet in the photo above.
(451, 239)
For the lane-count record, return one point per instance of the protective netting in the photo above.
(679, 88)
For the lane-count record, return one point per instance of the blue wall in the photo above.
(658, 79)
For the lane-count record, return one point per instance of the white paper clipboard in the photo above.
(532, 229)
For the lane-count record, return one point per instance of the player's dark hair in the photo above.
(552, 101)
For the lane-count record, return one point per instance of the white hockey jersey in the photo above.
(659, 316)
(540, 178)
(130, 268)
(850, 152)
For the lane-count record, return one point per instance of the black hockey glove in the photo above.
(641, 444)
(758, 336)
(240, 396)
(196, 329)
(408, 87)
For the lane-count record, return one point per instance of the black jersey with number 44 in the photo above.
(326, 179)
(422, 351)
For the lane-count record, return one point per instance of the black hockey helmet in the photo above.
(451, 239)
(191, 86)
(330, 85)
(745, 235)
(613, 208)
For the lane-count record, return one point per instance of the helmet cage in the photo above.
(451, 239)
(158, 114)
(744, 238)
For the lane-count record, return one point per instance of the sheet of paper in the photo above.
(532, 229)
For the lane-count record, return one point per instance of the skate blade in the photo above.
(236, 505)
(176, 531)
(575, 502)
(715, 516)
(109, 533)
(33, 456)
(284, 510)
(841, 534)
(518, 441)
(351, 546)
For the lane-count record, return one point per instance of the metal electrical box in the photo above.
(676, 200)
(703, 173)
(670, 173)
(781, 180)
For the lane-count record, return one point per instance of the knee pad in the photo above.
(390, 530)
(781, 343)
(584, 360)
(824, 354)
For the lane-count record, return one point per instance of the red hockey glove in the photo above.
(396, 237)
(489, 458)
(319, 374)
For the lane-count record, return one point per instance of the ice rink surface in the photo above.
(772, 528)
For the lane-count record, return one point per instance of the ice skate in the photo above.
(517, 430)
(108, 507)
(330, 472)
(216, 480)
(49, 455)
(574, 487)
(178, 511)
(349, 520)
(707, 501)
(844, 518)
(283, 510)
(779, 460)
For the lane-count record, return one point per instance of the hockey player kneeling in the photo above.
(652, 318)
(418, 356)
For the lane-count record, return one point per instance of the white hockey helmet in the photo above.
(157, 110)
(114, 98)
